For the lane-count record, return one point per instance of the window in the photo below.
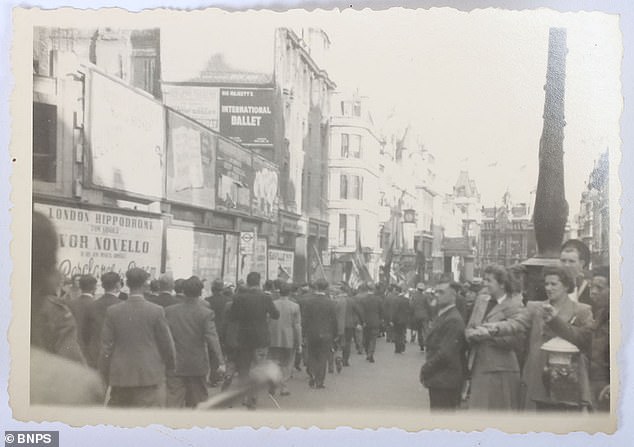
(348, 228)
(345, 145)
(144, 73)
(350, 146)
(356, 108)
(44, 142)
(351, 187)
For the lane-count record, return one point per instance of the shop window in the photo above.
(44, 142)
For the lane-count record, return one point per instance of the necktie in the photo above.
(490, 305)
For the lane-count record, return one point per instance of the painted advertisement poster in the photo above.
(126, 133)
(265, 198)
(198, 102)
(191, 158)
(233, 177)
(230, 264)
(280, 264)
(246, 115)
(191, 252)
(95, 242)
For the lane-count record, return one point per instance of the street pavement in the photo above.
(389, 383)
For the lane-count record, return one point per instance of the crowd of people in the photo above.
(162, 343)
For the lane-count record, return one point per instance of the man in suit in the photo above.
(251, 309)
(319, 319)
(400, 318)
(217, 302)
(353, 317)
(575, 256)
(372, 317)
(137, 348)
(444, 371)
(420, 314)
(194, 331)
(165, 297)
(111, 283)
(286, 335)
(79, 306)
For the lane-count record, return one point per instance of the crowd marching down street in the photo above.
(162, 344)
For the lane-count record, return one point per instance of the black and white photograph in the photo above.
(251, 214)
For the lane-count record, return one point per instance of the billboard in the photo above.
(191, 252)
(95, 242)
(126, 138)
(246, 115)
(197, 102)
(191, 162)
(234, 175)
(265, 198)
(280, 264)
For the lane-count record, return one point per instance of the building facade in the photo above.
(353, 176)
(507, 234)
(594, 214)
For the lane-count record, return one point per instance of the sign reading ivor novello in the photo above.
(246, 116)
(95, 242)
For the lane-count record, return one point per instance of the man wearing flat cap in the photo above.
(137, 348)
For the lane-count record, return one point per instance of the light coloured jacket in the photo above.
(286, 332)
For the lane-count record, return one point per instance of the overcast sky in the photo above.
(471, 84)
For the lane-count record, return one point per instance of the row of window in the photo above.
(348, 229)
(351, 187)
(350, 145)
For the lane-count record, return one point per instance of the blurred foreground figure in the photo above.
(58, 376)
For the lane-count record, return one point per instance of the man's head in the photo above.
(217, 285)
(253, 279)
(192, 287)
(445, 294)
(321, 285)
(420, 286)
(575, 256)
(166, 282)
(43, 255)
(268, 286)
(178, 285)
(155, 286)
(111, 282)
(600, 287)
(136, 278)
(87, 284)
(285, 289)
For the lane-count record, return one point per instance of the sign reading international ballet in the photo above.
(246, 115)
(95, 242)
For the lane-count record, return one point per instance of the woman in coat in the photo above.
(495, 371)
(535, 321)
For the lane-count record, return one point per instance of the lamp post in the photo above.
(551, 209)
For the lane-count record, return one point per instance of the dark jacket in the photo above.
(354, 313)
(136, 344)
(401, 310)
(250, 309)
(445, 364)
(217, 303)
(53, 328)
(319, 317)
(164, 299)
(194, 332)
(94, 323)
(420, 306)
(80, 308)
(372, 309)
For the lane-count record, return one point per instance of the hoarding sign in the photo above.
(246, 115)
(233, 178)
(230, 262)
(265, 198)
(95, 242)
(198, 102)
(126, 138)
(191, 162)
(280, 264)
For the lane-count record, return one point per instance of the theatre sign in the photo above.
(246, 115)
(97, 241)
